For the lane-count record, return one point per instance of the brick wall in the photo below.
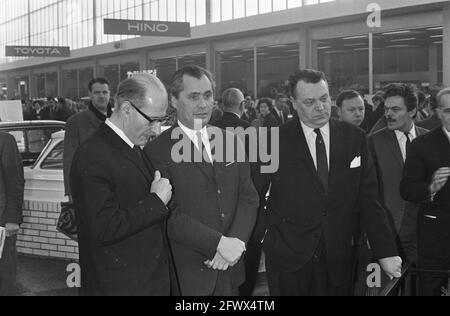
(38, 235)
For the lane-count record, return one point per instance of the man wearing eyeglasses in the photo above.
(215, 202)
(120, 200)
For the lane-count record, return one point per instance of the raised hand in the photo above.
(162, 187)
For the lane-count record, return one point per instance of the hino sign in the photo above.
(37, 51)
(147, 28)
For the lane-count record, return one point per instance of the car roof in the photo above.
(16, 124)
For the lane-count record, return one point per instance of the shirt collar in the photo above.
(192, 133)
(325, 130)
(446, 133)
(412, 133)
(119, 132)
(238, 116)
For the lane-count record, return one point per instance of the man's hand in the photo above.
(162, 187)
(439, 180)
(392, 266)
(12, 229)
(231, 249)
(218, 263)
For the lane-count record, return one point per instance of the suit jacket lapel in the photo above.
(304, 154)
(204, 166)
(125, 150)
(394, 146)
(336, 153)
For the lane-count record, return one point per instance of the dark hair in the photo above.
(346, 95)
(176, 83)
(280, 96)
(98, 80)
(402, 90)
(305, 75)
(266, 101)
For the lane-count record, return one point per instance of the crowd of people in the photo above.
(355, 184)
(58, 109)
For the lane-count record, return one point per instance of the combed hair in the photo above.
(137, 87)
(307, 76)
(346, 95)
(176, 83)
(402, 90)
(98, 80)
(230, 98)
(441, 93)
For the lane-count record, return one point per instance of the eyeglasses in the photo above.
(161, 119)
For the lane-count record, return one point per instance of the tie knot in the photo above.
(317, 131)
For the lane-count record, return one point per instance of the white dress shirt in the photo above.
(401, 138)
(311, 137)
(119, 132)
(192, 134)
(446, 133)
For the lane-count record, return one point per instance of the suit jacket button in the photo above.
(223, 215)
(219, 192)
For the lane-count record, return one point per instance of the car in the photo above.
(31, 136)
(44, 181)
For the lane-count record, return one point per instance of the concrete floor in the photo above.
(47, 277)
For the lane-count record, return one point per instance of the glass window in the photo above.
(165, 68)
(51, 84)
(126, 69)
(199, 60)
(236, 68)
(54, 160)
(70, 84)
(40, 85)
(85, 75)
(275, 65)
(38, 138)
(111, 72)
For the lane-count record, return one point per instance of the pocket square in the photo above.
(229, 164)
(356, 163)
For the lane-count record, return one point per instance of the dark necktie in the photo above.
(139, 154)
(408, 143)
(322, 160)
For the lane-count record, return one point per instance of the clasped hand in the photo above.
(229, 252)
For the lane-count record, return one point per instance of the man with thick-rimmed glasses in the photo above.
(120, 200)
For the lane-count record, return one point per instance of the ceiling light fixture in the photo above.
(354, 37)
(397, 32)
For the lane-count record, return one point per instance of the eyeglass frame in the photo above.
(161, 120)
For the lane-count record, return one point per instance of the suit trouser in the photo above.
(224, 286)
(252, 259)
(8, 268)
(311, 280)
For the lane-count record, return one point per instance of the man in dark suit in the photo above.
(120, 208)
(350, 107)
(425, 181)
(389, 148)
(81, 126)
(11, 201)
(325, 174)
(234, 103)
(433, 121)
(280, 109)
(215, 201)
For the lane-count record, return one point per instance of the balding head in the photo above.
(140, 89)
(139, 100)
(232, 101)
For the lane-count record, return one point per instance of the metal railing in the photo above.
(397, 286)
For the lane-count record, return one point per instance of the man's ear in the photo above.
(174, 102)
(125, 108)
